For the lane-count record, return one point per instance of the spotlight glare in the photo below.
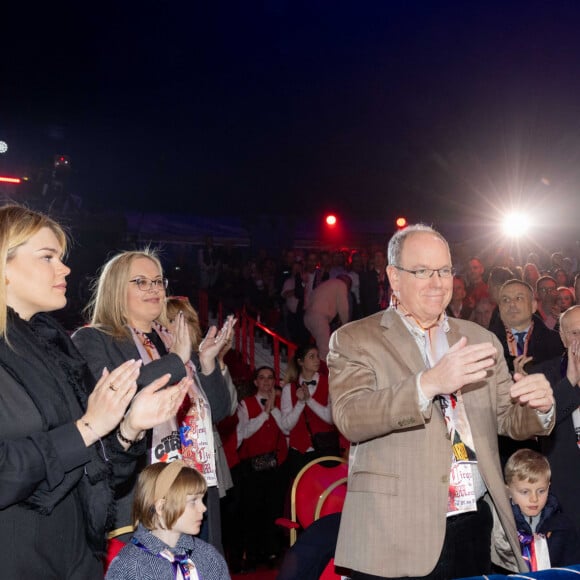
(516, 224)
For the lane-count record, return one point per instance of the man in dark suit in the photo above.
(562, 446)
(526, 340)
(524, 336)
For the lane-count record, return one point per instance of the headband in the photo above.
(167, 477)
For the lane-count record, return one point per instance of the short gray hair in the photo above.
(397, 241)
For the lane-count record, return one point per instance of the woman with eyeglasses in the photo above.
(128, 299)
(63, 433)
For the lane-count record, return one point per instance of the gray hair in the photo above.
(396, 243)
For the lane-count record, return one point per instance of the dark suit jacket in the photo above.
(544, 343)
(561, 447)
(102, 350)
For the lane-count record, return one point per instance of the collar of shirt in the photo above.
(514, 331)
(311, 388)
(432, 342)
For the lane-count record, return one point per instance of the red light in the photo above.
(331, 220)
(401, 222)
(10, 179)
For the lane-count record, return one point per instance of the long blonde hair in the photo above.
(17, 225)
(107, 308)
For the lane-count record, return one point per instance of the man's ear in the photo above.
(534, 305)
(394, 275)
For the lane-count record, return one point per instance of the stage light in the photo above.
(5, 179)
(330, 220)
(516, 224)
(401, 222)
(3, 147)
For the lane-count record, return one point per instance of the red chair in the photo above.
(318, 489)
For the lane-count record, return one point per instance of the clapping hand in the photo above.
(213, 343)
(154, 405)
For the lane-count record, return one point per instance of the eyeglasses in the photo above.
(424, 273)
(144, 284)
(547, 290)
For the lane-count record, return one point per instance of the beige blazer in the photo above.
(393, 523)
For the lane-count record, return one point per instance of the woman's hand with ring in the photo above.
(109, 400)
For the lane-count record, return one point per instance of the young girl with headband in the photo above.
(168, 511)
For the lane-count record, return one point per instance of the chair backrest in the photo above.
(316, 489)
(332, 499)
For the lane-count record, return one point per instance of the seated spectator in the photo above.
(561, 277)
(547, 295)
(531, 274)
(565, 298)
(482, 312)
(577, 288)
(168, 510)
(548, 537)
(457, 307)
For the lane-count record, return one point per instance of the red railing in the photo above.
(248, 329)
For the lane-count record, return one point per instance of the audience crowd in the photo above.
(250, 440)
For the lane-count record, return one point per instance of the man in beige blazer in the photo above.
(390, 375)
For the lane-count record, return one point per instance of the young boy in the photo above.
(547, 537)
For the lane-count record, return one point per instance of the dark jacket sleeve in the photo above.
(215, 388)
(101, 350)
(43, 457)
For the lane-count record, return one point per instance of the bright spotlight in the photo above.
(516, 224)
(331, 220)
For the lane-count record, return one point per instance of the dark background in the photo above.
(441, 111)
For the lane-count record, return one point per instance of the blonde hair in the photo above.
(527, 465)
(189, 481)
(17, 225)
(107, 308)
(176, 304)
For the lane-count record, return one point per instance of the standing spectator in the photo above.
(477, 288)
(263, 451)
(524, 336)
(562, 447)
(537, 512)
(422, 397)
(128, 301)
(497, 278)
(374, 286)
(329, 304)
(62, 432)
(306, 410)
(457, 307)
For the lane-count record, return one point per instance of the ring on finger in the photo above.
(113, 387)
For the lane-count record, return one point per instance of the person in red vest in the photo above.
(263, 450)
(306, 411)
